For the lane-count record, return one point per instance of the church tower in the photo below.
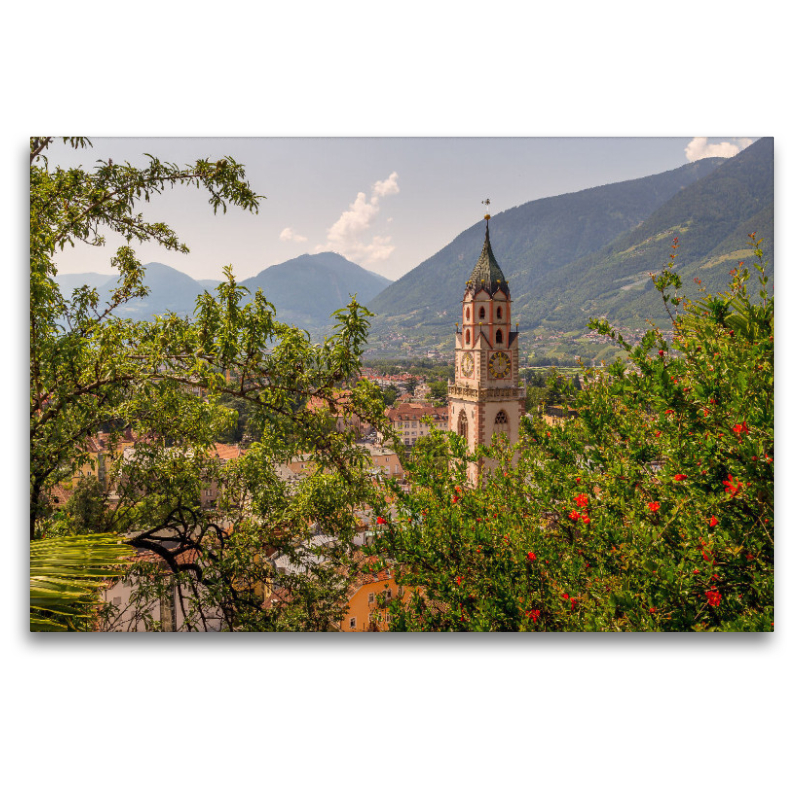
(485, 397)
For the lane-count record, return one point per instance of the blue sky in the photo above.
(385, 203)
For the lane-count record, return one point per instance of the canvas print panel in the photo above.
(386, 385)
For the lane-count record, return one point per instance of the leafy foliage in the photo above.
(66, 574)
(651, 510)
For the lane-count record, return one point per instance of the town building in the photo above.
(408, 420)
(486, 398)
(368, 600)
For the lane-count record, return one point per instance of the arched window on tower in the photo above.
(482, 314)
(499, 312)
(462, 423)
(501, 423)
(466, 313)
(467, 338)
(498, 337)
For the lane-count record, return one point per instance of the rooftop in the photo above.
(487, 273)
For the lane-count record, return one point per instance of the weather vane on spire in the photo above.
(486, 202)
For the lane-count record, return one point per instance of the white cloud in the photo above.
(699, 148)
(288, 235)
(349, 235)
(389, 186)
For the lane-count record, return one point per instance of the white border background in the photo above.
(460, 716)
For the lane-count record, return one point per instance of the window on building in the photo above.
(408, 442)
(352, 623)
(499, 312)
(482, 313)
(372, 597)
(467, 337)
(499, 337)
(462, 423)
(467, 314)
(501, 423)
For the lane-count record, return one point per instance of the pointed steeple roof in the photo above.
(487, 273)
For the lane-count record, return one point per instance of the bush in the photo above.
(651, 510)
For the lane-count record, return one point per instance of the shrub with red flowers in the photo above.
(687, 434)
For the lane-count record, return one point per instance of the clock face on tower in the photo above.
(467, 364)
(499, 365)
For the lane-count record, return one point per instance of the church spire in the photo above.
(487, 273)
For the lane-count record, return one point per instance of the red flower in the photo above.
(669, 411)
(459, 579)
(740, 429)
(531, 557)
(582, 500)
(661, 352)
(572, 603)
(680, 477)
(732, 487)
(585, 519)
(713, 521)
(652, 611)
(654, 506)
(534, 614)
(658, 433)
(381, 521)
(573, 514)
(565, 596)
(713, 597)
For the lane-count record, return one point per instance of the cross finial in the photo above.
(486, 203)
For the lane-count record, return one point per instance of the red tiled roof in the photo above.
(341, 399)
(60, 495)
(226, 452)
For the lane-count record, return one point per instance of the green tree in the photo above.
(438, 393)
(651, 510)
(390, 394)
(91, 368)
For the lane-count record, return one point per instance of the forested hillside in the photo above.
(711, 218)
(530, 241)
(306, 290)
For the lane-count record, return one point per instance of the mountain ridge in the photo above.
(546, 233)
(304, 290)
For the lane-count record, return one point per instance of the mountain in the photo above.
(530, 241)
(68, 282)
(306, 290)
(589, 254)
(712, 219)
(170, 290)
